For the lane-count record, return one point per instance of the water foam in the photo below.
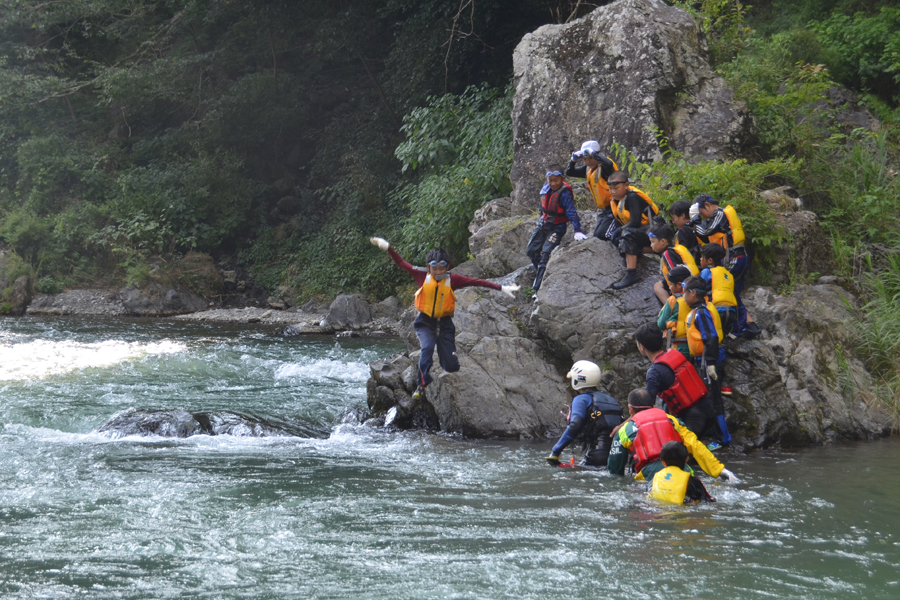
(41, 358)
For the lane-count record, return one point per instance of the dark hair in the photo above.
(674, 454)
(682, 208)
(617, 176)
(557, 167)
(713, 252)
(696, 283)
(678, 274)
(641, 398)
(649, 337)
(437, 254)
(664, 232)
(704, 198)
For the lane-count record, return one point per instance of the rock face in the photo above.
(156, 300)
(78, 302)
(16, 284)
(620, 73)
(347, 311)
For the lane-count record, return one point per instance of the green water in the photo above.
(346, 511)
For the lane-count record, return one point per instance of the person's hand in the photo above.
(729, 476)
(579, 236)
(711, 372)
(380, 242)
(510, 290)
(576, 155)
(553, 460)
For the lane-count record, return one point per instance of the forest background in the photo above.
(277, 136)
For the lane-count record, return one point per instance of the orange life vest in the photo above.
(624, 216)
(695, 340)
(598, 187)
(435, 298)
(686, 258)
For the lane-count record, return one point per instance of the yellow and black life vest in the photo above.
(722, 287)
(435, 298)
(670, 485)
(737, 228)
(623, 216)
(686, 258)
(679, 332)
(598, 186)
(695, 339)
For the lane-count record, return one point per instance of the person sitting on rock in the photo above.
(672, 254)
(676, 484)
(704, 333)
(680, 213)
(633, 210)
(435, 302)
(592, 417)
(724, 227)
(674, 379)
(645, 433)
(596, 170)
(557, 209)
(674, 312)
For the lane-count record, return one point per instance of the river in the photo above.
(340, 510)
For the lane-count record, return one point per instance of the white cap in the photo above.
(590, 147)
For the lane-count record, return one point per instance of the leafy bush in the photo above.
(461, 148)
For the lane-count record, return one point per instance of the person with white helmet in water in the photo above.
(596, 170)
(592, 417)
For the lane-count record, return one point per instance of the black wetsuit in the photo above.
(606, 222)
(634, 235)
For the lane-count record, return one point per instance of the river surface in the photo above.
(346, 511)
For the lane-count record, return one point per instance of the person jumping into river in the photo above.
(436, 302)
(592, 417)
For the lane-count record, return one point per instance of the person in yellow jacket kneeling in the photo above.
(676, 483)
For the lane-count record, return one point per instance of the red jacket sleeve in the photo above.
(461, 281)
(418, 274)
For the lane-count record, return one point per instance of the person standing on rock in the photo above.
(633, 210)
(596, 170)
(674, 379)
(557, 209)
(592, 417)
(646, 432)
(724, 227)
(673, 314)
(436, 302)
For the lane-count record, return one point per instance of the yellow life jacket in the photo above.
(623, 216)
(679, 331)
(435, 298)
(670, 485)
(695, 340)
(737, 228)
(598, 186)
(722, 287)
(686, 257)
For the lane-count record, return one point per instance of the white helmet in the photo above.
(584, 374)
(590, 148)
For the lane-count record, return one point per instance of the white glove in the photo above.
(711, 372)
(510, 290)
(380, 242)
(695, 211)
(577, 154)
(729, 476)
(579, 236)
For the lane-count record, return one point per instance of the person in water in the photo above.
(436, 302)
(676, 484)
(557, 209)
(644, 434)
(673, 378)
(633, 210)
(593, 416)
(596, 170)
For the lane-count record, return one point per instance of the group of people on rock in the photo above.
(703, 262)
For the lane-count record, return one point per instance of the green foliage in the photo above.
(723, 22)
(461, 148)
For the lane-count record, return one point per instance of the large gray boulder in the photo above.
(348, 311)
(622, 73)
(154, 299)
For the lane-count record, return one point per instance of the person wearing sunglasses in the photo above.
(436, 303)
(557, 209)
(596, 170)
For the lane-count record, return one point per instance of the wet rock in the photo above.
(179, 423)
(78, 302)
(621, 73)
(347, 310)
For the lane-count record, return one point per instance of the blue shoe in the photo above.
(713, 446)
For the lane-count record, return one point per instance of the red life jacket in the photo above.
(550, 205)
(654, 430)
(688, 388)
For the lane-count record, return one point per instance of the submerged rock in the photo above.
(179, 423)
